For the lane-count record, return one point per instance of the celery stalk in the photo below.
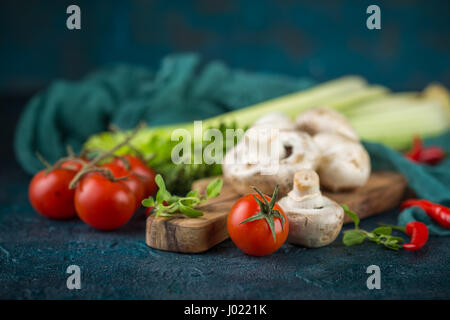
(293, 104)
(340, 91)
(376, 114)
(396, 126)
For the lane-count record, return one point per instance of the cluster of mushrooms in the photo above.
(319, 149)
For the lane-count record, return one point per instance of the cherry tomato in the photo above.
(135, 184)
(50, 195)
(102, 203)
(255, 238)
(143, 171)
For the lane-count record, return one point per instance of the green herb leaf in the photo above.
(382, 230)
(189, 201)
(399, 239)
(160, 182)
(352, 215)
(167, 204)
(352, 237)
(193, 194)
(149, 202)
(214, 187)
(392, 245)
(163, 194)
(381, 235)
(189, 211)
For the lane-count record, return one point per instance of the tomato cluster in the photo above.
(101, 201)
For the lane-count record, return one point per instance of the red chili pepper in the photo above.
(435, 211)
(430, 155)
(418, 233)
(416, 149)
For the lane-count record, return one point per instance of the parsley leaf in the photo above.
(381, 235)
(166, 205)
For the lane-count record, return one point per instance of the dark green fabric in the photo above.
(418, 214)
(429, 182)
(183, 89)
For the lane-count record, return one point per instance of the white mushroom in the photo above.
(266, 157)
(319, 120)
(314, 220)
(275, 120)
(344, 164)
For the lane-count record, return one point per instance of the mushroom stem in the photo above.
(306, 190)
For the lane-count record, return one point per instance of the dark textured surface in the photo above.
(35, 252)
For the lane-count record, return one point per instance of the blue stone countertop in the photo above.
(35, 253)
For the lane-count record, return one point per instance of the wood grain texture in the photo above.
(383, 191)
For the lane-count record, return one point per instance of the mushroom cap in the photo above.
(277, 120)
(313, 227)
(244, 168)
(323, 119)
(345, 164)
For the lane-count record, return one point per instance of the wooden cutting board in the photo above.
(383, 191)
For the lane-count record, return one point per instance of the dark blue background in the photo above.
(323, 39)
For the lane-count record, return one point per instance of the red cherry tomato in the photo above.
(255, 238)
(102, 203)
(143, 171)
(50, 195)
(133, 182)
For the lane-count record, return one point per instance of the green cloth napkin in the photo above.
(418, 214)
(429, 182)
(183, 89)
